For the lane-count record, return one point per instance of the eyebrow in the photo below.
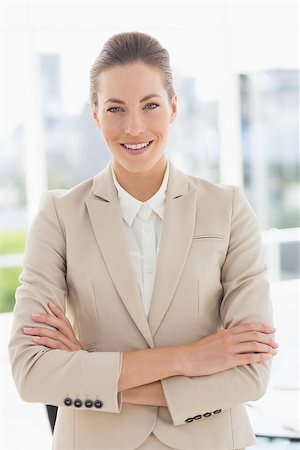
(147, 97)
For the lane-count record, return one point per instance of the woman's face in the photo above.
(133, 108)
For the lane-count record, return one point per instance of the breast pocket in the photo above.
(207, 236)
(207, 252)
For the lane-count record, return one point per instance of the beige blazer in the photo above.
(210, 274)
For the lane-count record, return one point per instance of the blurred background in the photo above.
(236, 74)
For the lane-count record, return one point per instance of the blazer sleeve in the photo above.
(53, 375)
(245, 299)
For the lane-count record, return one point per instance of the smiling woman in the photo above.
(131, 72)
(144, 335)
(136, 132)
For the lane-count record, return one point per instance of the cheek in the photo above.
(110, 128)
(160, 124)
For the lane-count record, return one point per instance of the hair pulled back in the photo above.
(128, 48)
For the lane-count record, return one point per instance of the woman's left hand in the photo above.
(60, 337)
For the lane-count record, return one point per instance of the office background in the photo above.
(236, 73)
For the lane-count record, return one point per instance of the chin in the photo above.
(135, 166)
(139, 167)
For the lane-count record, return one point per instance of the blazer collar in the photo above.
(178, 229)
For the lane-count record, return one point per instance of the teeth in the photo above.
(137, 146)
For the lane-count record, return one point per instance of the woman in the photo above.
(155, 322)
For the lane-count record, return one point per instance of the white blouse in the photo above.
(143, 225)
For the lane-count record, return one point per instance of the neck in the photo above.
(141, 185)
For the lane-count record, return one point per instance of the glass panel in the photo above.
(269, 105)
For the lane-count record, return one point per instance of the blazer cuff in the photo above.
(182, 397)
(195, 398)
(102, 372)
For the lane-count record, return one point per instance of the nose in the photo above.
(134, 124)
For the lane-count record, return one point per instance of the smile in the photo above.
(136, 146)
(137, 149)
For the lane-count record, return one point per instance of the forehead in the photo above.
(134, 80)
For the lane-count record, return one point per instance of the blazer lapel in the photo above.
(177, 235)
(106, 218)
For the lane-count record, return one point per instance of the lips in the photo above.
(136, 143)
(136, 151)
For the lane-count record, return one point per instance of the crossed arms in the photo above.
(239, 345)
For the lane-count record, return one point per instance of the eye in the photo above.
(113, 109)
(151, 105)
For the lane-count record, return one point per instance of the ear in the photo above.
(96, 116)
(173, 107)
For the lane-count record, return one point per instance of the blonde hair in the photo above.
(128, 48)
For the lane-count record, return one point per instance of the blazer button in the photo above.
(98, 404)
(198, 417)
(189, 419)
(88, 403)
(68, 401)
(207, 414)
(78, 403)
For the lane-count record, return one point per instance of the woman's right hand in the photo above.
(239, 345)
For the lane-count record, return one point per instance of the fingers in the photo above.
(256, 336)
(61, 334)
(49, 342)
(251, 358)
(61, 315)
(255, 347)
(44, 333)
(60, 323)
(58, 312)
(251, 338)
(245, 327)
